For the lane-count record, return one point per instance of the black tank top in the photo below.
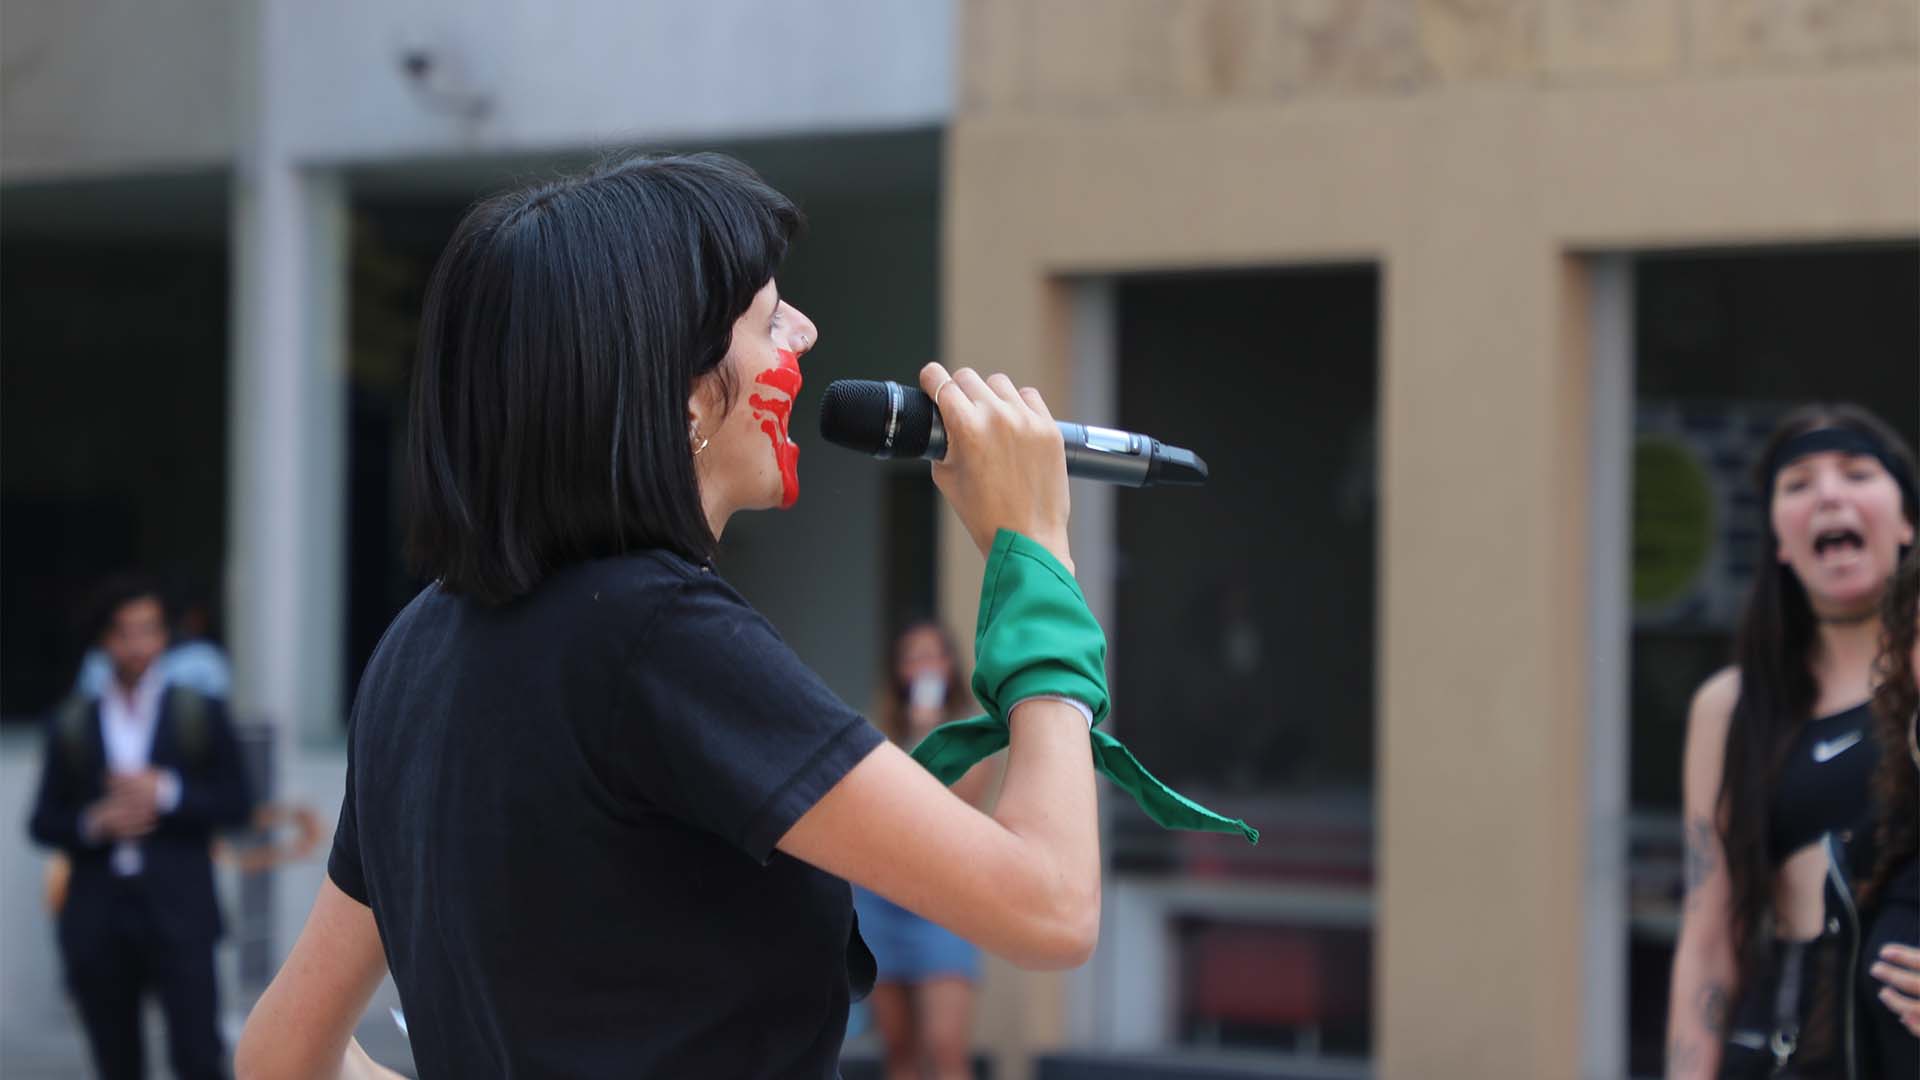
(1823, 784)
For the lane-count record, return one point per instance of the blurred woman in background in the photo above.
(922, 999)
(1778, 750)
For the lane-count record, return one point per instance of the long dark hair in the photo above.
(1896, 783)
(563, 332)
(1773, 649)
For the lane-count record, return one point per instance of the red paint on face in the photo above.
(774, 413)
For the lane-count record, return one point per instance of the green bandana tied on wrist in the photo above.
(1035, 637)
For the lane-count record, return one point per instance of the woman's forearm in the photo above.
(1700, 1000)
(1048, 801)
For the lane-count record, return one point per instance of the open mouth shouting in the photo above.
(774, 413)
(1838, 544)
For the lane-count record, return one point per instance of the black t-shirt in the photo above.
(563, 813)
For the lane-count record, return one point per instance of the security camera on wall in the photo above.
(443, 76)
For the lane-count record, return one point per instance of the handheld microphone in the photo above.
(888, 420)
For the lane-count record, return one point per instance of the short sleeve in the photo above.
(343, 862)
(734, 734)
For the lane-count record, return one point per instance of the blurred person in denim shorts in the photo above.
(922, 999)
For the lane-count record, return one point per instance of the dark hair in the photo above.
(1896, 703)
(563, 332)
(1777, 686)
(115, 593)
(894, 704)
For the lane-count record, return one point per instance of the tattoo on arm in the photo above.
(1701, 856)
(1684, 1056)
(1713, 1007)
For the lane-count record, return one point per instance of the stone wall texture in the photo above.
(1120, 55)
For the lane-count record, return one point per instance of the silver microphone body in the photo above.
(888, 420)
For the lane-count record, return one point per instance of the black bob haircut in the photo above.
(563, 331)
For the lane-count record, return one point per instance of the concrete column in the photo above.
(1604, 286)
(287, 409)
(1095, 992)
(1482, 774)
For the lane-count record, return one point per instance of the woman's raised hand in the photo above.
(1006, 467)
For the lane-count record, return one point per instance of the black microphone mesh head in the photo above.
(855, 413)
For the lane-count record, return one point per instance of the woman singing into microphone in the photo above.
(599, 819)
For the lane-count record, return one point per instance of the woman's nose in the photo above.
(1828, 485)
(805, 335)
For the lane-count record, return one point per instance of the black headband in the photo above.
(1845, 441)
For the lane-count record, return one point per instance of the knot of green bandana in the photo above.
(1035, 636)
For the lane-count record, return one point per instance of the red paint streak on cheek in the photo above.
(788, 457)
(784, 379)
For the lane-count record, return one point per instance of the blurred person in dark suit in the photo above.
(133, 785)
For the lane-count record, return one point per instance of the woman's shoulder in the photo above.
(1719, 692)
(580, 601)
(635, 590)
(645, 578)
(596, 607)
(642, 566)
(1713, 702)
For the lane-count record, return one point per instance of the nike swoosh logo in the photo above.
(1824, 752)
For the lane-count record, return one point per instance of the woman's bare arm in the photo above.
(303, 1025)
(975, 787)
(1023, 883)
(1702, 988)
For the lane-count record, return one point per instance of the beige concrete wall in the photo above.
(1125, 55)
(1473, 148)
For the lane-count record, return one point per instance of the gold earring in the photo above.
(693, 432)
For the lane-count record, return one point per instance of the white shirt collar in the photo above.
(143, 703)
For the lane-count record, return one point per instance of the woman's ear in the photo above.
(702, 412)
